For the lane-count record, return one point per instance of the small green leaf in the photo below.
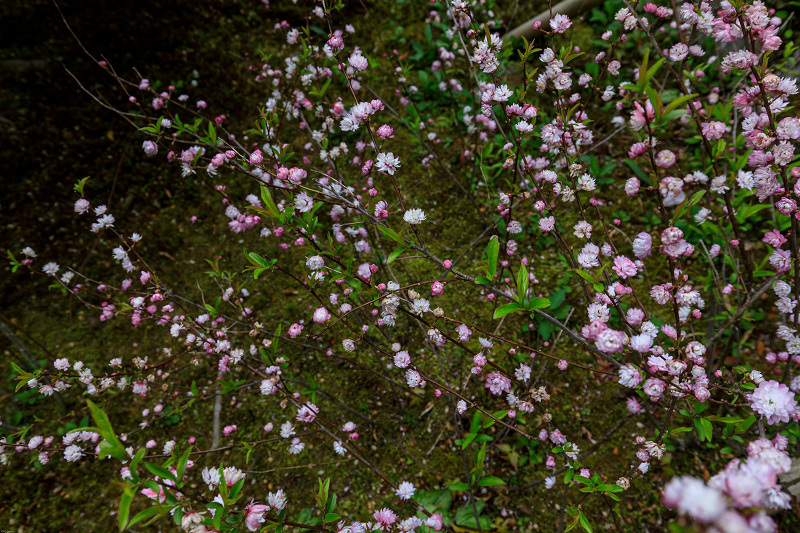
(522, 283)
(468, 440)
(678, 102)
(643, 81)
(111, 445)
(458, 487)
(707, 427)
(491, 482)
(492, 251)
(144, 515)
(392, 234)
(394, 255)
(475, 423)
(700, 429)
(512, 307)
(585, 523)
(182, 462)
(136, 460)
(535, 302)
(160, 471)
(125, 508)
(272, 209)
(331, 517)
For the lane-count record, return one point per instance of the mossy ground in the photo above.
(58, 135)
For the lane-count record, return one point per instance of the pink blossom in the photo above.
(321, 315)
(385, 517)
(781, 261)
(295, 330)
(773, 400)
(560, 23)
(497, 383)
(624, 267)
(774, 238)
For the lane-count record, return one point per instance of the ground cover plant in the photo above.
(416, 276)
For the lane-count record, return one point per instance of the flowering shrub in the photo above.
(330, 194)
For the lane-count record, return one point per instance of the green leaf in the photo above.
(644, 80)
(101, 421)
(557, 298)
(458, 487)
(679, 430)
(272, 209)
(467, 517)
(236, 489)
(655, 99)
(331, 517)
(392, 234)
(468, 440)
(160, 471)
(331, 504)
(677, 103)
(491, 482)
(182, 462)
(432, 500)
(113, 446)
(585, 523)
(535, 302)
(707, 427)
(687, 204)
(643, 69)
(492, 251)
(125, 508)
(144, 515)
(719, 148)
(700, 429)
(475, 423)
(512, 307)
(480, 457)
(136, 460)
(522, 283)
(18, 370)
(394, 255)
(545, 330)
(673, 115)
(78, 187)
(177, 516)
(638, 171)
